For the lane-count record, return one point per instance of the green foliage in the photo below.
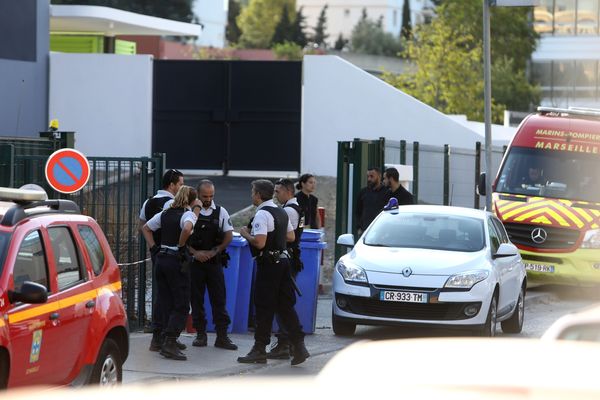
(233, 32)
(284, 30)
(340, 43)
(258, 21)
(178, 10)
(368, 37)
(448, 59)
(298, 34)
(406, 29)
(321, 35)
(288, 51)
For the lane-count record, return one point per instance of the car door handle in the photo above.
(90, 304)
(54, 316)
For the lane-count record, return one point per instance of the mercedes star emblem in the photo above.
(539, 235)
(406, 272)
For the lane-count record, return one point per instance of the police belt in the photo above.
(167, 251)
(273, 254)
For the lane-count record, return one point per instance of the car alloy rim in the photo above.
(493, 318)
(108, 374)
(521, 307)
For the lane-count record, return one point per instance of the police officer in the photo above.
(273, 288)
(173, 281)
(172, 180)
(212, 234)
(284, 193)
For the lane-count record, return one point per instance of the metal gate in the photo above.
(228, 115)
(113, 197)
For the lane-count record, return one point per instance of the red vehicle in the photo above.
(62, 320)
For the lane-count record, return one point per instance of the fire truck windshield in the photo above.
(547, 173)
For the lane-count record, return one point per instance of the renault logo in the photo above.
(539, 235)
(406, 272)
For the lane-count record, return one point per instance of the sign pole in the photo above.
(487, 94)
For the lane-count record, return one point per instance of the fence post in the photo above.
(416, 171)
(477, 173)
(446, 174)
(403, 152)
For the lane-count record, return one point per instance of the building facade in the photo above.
(212, 14)
(566, 62)
(343, 15)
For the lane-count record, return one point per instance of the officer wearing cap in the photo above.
(212, 234)
(172, 180)
(284, 193)
(176, 224)
(273, 288)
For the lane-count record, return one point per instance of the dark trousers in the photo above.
(282, 335)
(209, 276)
(158, 321)
(274, 293)
(173, 293)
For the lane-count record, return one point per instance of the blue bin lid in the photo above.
(313, 245)
(238, 240)
(312, 235)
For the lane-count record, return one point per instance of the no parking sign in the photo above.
(67, 170)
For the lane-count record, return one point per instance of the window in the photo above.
(395, 17)
(68, 267)
(92, 244)
(543, 17)
(587, 17)
(30, 264)
(347, 12)
(500, 230)
(494, 237)
(564, 17)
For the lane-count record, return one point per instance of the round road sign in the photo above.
(67, 170)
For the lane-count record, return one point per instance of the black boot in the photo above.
(180, 345)
(299, 353)
(281, 351)
(201, 340)
(170, 349)
(256, 356)
(157, 341)
(224, 342)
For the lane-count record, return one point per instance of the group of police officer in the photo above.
(187, 234)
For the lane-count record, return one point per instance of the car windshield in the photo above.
(4, 240)
(429, 231)
(547, 173)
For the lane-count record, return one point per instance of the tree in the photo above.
(368, 37)
(298, 35)
(288, 51)
(178, 10)
(284, 30)
(320, 35)
(449, 64)
(233, 32)
(340, 43)
(258, 21)
(406, 29)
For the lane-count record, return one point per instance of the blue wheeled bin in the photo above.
(237, 286)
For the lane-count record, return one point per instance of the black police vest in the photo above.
(298, 229)
(153, 206)
(276, 239)
(170, 222)
(207, 231)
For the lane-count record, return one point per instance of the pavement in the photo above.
(144, 366)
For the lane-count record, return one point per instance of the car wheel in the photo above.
(108, 369)
(489, 329)
(4, 370)
(515, 323)
(342, 328)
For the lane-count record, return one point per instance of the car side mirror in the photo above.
(506, 250)
(481, 185)
(31, 293)
(347, 239)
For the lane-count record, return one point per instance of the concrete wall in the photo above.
(106, 99)
(24, 42)
(342, 102)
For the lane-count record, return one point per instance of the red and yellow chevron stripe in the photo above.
(553, 212)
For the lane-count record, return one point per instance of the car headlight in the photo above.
(351, 272)
(466, 280)
(591, 239)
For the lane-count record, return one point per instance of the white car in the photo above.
(432, 266)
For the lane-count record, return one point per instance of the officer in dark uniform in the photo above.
(273, 288)
(171, 182)
(212, 234)
(284, 193)
(173, 281)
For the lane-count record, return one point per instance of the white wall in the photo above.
(106, 99)
(342, 102)
(213, 15)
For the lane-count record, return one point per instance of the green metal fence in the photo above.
(113, 196)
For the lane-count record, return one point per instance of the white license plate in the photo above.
(539, 267)
(405, 297)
